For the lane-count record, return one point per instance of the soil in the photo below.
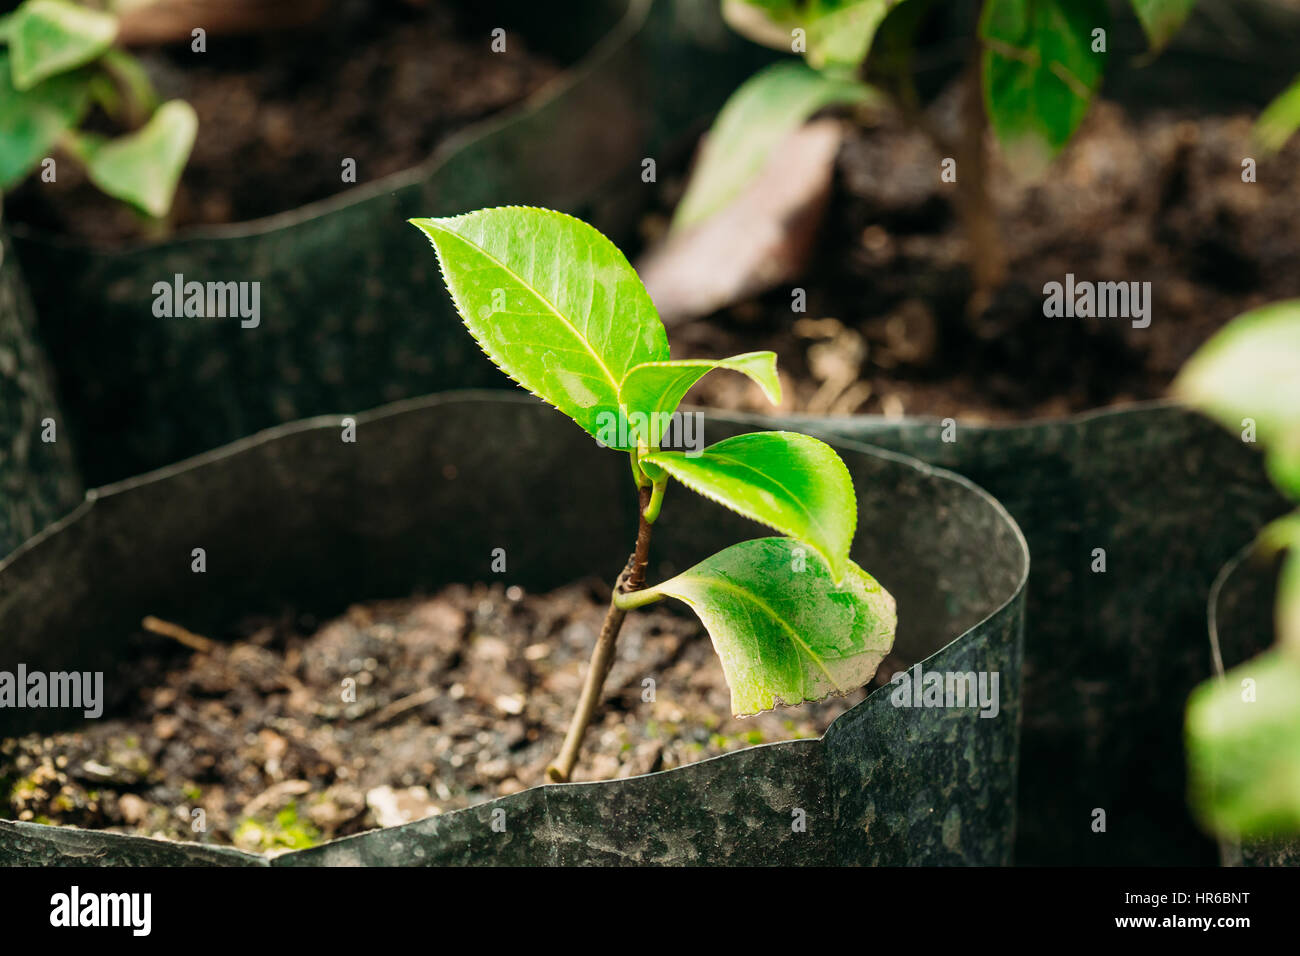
(456, 698)
(377, 81)
(1157, 198)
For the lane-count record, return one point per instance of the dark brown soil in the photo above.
(458, 698)
(1158, 199)
(380, 82)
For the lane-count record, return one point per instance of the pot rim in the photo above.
(608, 46)
(496, 396)
(1074, 418)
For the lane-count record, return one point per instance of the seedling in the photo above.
(1033, 72)
(558, 308)
(1243, 731)
(56, 63)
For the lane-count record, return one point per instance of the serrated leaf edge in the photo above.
(714, 365)
(777, 700)
(714, 498)
(442, 274)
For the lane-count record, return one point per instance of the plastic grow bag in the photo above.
(38, 479)
(296, 516)
(1110, 655)
(352, 312)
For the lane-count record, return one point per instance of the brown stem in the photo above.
(191, 640)
(632, 578)
(975, 205)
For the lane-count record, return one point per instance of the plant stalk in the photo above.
(975, 205)
(632, 578)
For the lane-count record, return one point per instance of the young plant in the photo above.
(1243, 731)
(57, 61)
(559, 309)
(1034, 69)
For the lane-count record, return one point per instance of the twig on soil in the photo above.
(204, 645)
(286, 788)
(177, 633)
(403, 704)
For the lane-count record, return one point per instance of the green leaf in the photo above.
(1280, 120)
(143, 168)
(1243, 748)
(766, 109)
(763, 21)
(552, 302)
(654, 389)
(838, 33)
(1280, 534)
(1161, 19)
(1250, 369)
(48, 37)
(32, 122)
(841, 32)
(130, 75)
(1283, 534)
(1282, 462)
(1288, 600)
(785, 632)
(787, 481)
(1039, 71)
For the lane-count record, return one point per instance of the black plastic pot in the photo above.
(1109, 657)
(352, 309)
(1242, 626)
(38, 479)
(295, 515)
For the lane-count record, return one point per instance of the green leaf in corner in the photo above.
(1249, 372)
(47, 37)
(1040, 71)
(32, 122)
(143, 167)
(1161, 19)
(785, 632)
(653, 389)
(1243, 748)
(1280, 120)
(766, 109)
(552, 302)
(787, 481)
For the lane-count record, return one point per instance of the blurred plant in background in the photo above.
(57, 63)
(1034, 68)
(1243, 730)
